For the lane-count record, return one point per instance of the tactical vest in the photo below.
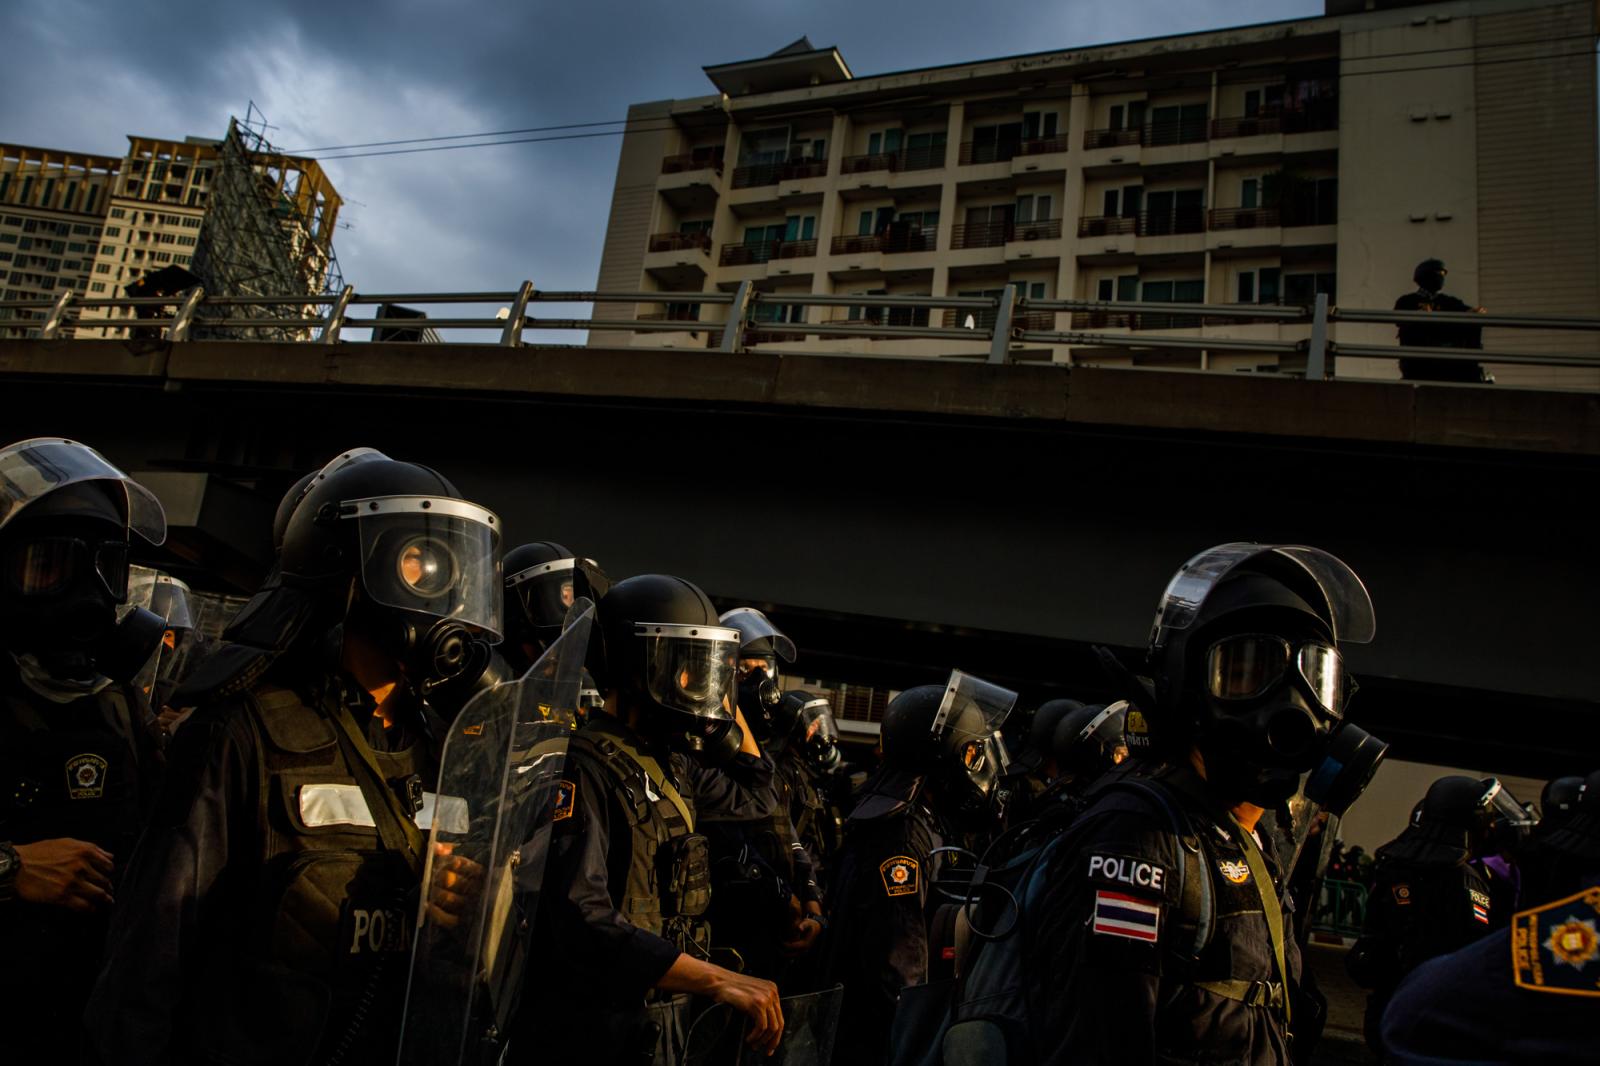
(320, 972)
(805, 805)
(668, 886)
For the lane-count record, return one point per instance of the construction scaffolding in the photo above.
(268, 232)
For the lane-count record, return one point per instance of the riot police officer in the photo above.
(543, 580)
(766, 903)
(76, 761)
(1429, 295)
(1428, 897)
(1527, 992)
(1162, 907)
(938, 786)
(810, 774)
(622, 918)
(267, 914)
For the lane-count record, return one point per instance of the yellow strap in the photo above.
(651, 768)
(1269, 906)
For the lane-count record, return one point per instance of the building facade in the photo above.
(1256, 165)
(92, 225)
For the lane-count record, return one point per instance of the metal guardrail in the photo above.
(997, 322)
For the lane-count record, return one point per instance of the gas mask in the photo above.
(430, 585)
(759, 697)
(974, 758)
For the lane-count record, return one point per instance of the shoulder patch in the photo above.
(1480, 905)
(1136, 873)
(566, 799)
(1556, 948)
(1120, 915)
(900, 875)
(86, 776)
(1236, 871)
(1401, 894)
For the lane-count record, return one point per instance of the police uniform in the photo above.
(267, 915)
(878, 938)
(1438, 335)
(1416, 912)
(810, 821)
(1527, 993)
(1155, 933)
(626, 891)
(84, 770)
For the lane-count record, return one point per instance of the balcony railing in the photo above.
(994, 234)
(1267, 217)
(674, 315)
(1176, 131)
(679, 164)
(888, 243)
(675, 242)
(1005, 151)
(1318, 115)
(1135, 320)
(766, 251)
(883, 316)
(1026, 321)
(1110, 138)
(895, 162)
(757, 174)
(1178, 220)
(1106, 225)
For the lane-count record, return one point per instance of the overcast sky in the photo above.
(83, 74)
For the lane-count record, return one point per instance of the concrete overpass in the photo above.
(904, 516)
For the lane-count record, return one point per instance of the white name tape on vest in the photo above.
(1134, 872)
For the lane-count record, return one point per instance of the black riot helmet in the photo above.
(1578, 839)
(67, 521)
(1039, 753)
(391, 549)
(1088, 741)
(666, 654)
(761, 645)
(972, 755)
(1558, 802)
(297, 491)
(1429, 275)
(1245, 655)
(543, 580)
(1451, 823)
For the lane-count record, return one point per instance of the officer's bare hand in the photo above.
(457, 880)
(804, 928)
(757, 999)
(65, 873)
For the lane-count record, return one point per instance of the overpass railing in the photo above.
(751, 318)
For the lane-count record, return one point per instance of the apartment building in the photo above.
(92, 225)
(1257, 165)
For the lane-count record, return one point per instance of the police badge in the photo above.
(86, 776)
(1555, 948)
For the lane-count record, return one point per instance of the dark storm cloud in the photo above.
(84, 74)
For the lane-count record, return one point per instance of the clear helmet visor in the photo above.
(547, 590)
(815, 724)
(1349, 605)
(690, 668)
(161, 594)
(430, 554)
(1505, 809)
(754, 626)
(32, 469)
(1248, 666)
(968, 722)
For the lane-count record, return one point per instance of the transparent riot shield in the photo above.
(810, 1023)
(498, 783)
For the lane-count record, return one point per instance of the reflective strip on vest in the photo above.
(335, 804)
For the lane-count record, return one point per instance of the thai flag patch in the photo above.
(1480, 906)
(1116, 914)
(1479, 913)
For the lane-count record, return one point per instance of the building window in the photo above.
(1268, 279)
(117, 212)
(113, 231)
(97, 286)
(1034, 208)
(1304, 288)
(1247, 286)
(102, 268)
(1250, 193)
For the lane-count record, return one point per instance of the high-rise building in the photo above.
(92, 225)
(1253, 165)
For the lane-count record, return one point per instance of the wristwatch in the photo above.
(10, 866)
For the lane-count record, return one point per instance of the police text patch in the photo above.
(566, 799)
(1135, 873)
(1119, 914)
(1480, 905)
(899, 875)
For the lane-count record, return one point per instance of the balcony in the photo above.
(676, 242)
(1316, 116)
(1106, 225)
(1025, 321)
(995, 234)
(888, 243)
(676, 314)
(1154, 134)
(1005, 151)
(895, 162)
(883, 316)
(1167, 223)
(1223, 218)
(758, 174)
(765, 252)
(680, 164)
